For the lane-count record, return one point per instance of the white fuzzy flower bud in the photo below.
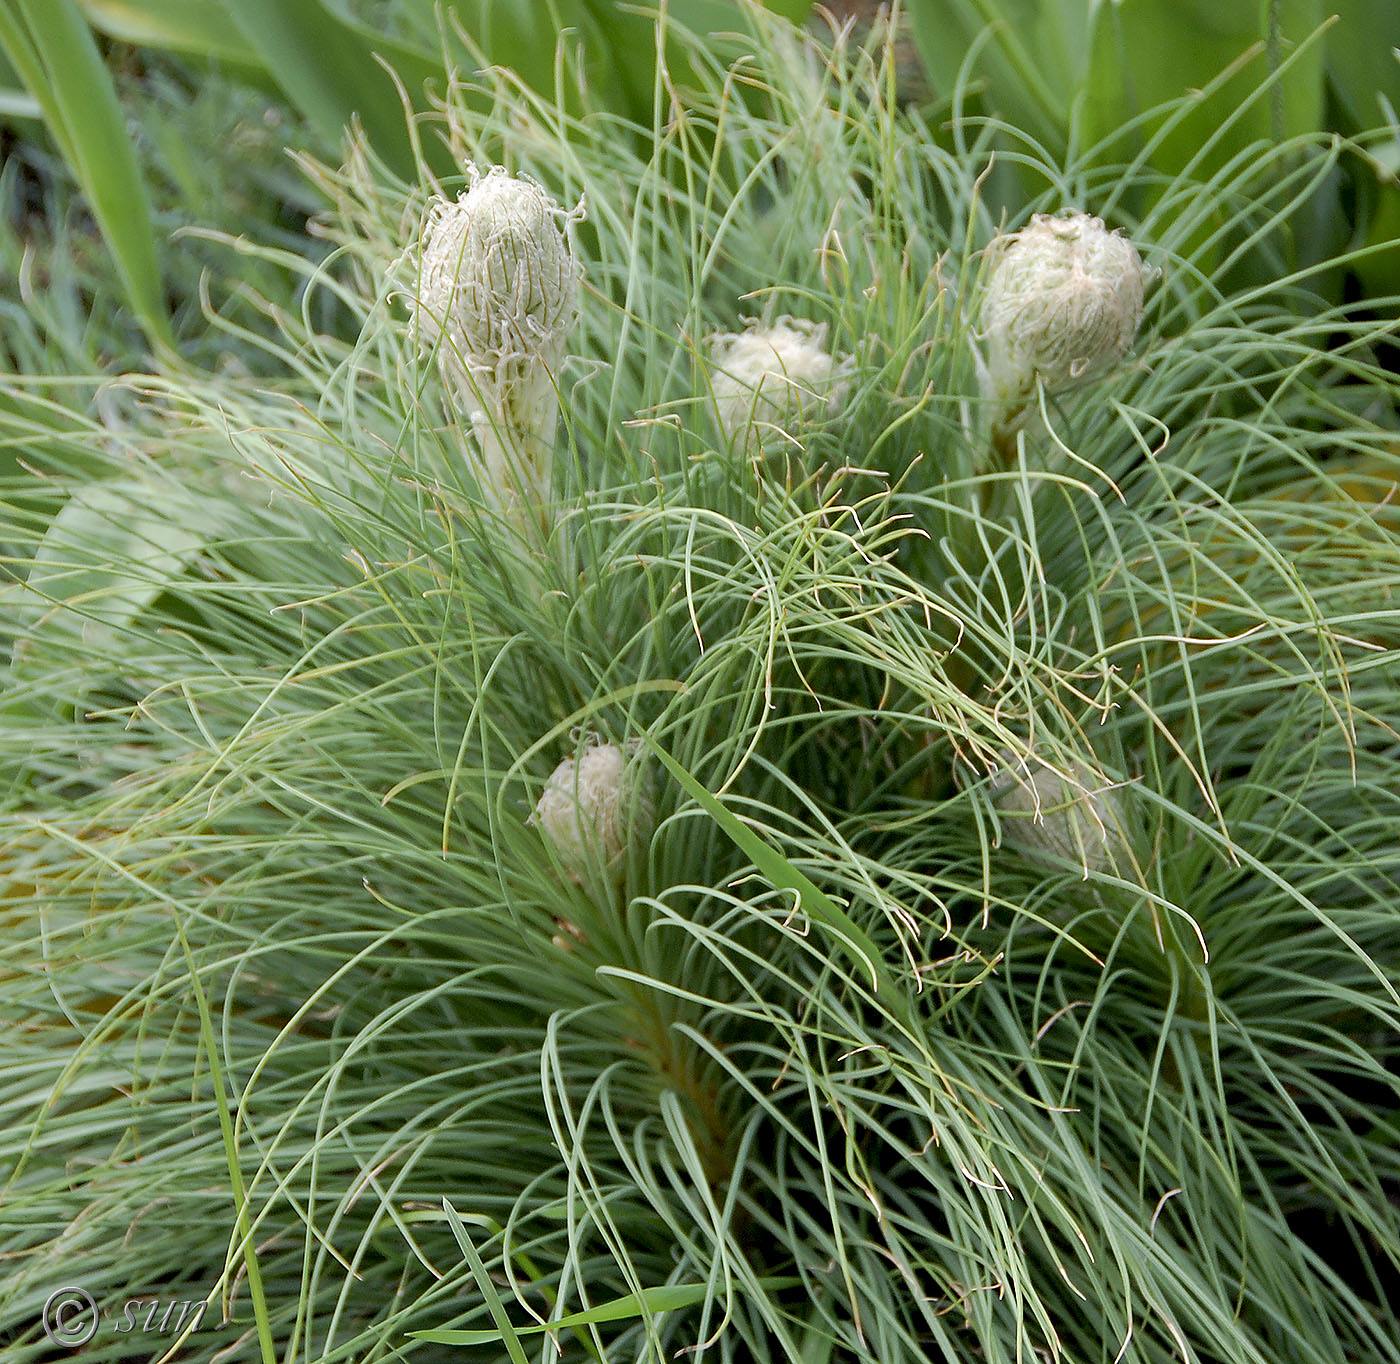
(775, 375)
(496, 296)
(1043, 813)
(1062, 300)
(498, 284)
(591, 805)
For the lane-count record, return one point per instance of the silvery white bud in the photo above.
(1062, 300)
(497, 281)
(496, 295)
(1042, 813)
(775, 374)
(591, 805)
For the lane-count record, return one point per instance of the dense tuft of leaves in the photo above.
(303, 1014)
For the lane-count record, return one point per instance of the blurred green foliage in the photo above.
(208, 152)
(1073, 77)
(54, 53)
(333, 62)
(1076, 77)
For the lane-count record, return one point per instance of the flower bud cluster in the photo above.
(1063, 300)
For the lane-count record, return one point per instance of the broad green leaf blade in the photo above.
(244, 1245)
(328, 70)
(1363, 72)
(199, 28)
(521, 37)
(1146, 53)
(1362, 66)
(505, 1331)
(1380, 272)
(53, 50)
(631, 29)
(782, 874)
(649, 1302)
(794, 11)
(1031, 58)
(103, 560)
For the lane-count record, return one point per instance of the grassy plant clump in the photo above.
(880, 871)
